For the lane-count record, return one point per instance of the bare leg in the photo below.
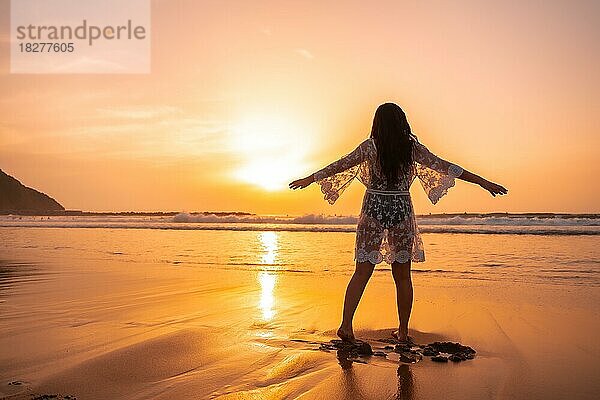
(404, 297)
(354, 292)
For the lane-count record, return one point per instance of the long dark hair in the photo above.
(393, 139)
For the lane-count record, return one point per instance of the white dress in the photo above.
(387, 228)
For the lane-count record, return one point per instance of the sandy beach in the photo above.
(83, 317)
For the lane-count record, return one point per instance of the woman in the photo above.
(387, 230)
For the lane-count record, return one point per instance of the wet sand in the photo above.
(92, 329)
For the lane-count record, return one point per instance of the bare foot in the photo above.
(346, 335)
(402, 337)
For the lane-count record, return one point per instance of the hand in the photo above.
(494, 188)
(302, 183)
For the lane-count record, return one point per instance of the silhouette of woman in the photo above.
(387, 163)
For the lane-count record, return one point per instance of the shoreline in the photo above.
(246, 214)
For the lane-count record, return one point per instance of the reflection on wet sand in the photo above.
(406, 380)
(269, 242)
(406, 383)
(267, 300)
(14, 274)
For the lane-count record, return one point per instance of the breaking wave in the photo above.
(548, 224)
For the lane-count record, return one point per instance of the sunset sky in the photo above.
(245, 96)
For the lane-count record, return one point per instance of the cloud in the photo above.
(161, 137)
(84, 64)
(139, 112)
(304, 53)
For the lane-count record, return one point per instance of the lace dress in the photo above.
(387, 228)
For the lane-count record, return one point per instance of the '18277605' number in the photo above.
(40, 47)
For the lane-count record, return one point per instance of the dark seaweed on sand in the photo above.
(408, 352)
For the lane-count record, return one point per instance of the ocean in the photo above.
(556, 249)
(530, 224)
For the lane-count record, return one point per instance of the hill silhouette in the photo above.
(14, 196)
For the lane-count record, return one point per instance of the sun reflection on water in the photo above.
(268, 240)
(266, 279)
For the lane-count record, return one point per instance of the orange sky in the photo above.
(245, 96)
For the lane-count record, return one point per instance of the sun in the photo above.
(272, 150)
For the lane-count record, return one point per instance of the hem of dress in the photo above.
(376, 257)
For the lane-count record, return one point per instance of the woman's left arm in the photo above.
(491, 187)
(441, 174)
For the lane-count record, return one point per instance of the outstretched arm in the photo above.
(437, 183)
(346, 162)
(491, 187)
(302, 183)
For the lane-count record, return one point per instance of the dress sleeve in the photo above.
(436, 174)
(338, 175)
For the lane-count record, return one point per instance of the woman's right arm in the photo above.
(302, 183)
(346, 162)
